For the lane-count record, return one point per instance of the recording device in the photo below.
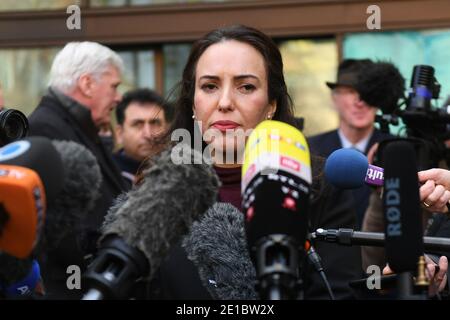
(71, 180)
(69, 175)
(346, 168)
(26, 184)
(216, 244)
(402, 214)
(138, 232)
(81, 182)
(13, 126)
(276, 179)
(22, 210)
(19, 278)
(382, 85)
(38, 154)
(401, 206)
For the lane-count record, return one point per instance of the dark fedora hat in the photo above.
(348, 72)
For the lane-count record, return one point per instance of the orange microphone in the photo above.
(22, 210)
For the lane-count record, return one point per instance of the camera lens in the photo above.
(13, 125)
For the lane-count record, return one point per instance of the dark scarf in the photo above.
(230, 191)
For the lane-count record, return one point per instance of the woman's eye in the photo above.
(208, 87)
(247, 88)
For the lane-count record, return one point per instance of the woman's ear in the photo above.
(272, 108)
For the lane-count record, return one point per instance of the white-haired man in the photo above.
(82, 93)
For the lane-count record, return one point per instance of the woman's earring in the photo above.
(193, 116)
(269, 116)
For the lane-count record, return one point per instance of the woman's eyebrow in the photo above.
(209, 77)
(243, 76)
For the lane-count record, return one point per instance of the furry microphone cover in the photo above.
(217, 246)
(158, 212)
(381, 85)
(81, 186)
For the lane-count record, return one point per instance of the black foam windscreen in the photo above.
(38, 154)
(401, 206)
(275, 210)
(13, 269)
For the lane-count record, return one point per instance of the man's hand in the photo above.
(437, 280)
(435, 191)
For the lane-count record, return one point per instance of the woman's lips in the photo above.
(225, 125)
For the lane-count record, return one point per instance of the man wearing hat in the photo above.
(356, 123)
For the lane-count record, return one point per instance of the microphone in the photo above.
(71, 178)
(22, 279)
(78, 194)
(381, 85)
(22, 210)
(38, 154)
(216, 244)
(28, 167)
(349, 169)
(349, 237)
(401, 206)
(276, 179)
(138, 233)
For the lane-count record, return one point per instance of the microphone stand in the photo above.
(405, 286)
(349, 237)
(277, 266)
(404, 280)
(406, 283)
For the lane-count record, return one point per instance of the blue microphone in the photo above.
(25, 286)
(349, 169)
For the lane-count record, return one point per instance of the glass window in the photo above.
(308, 64)
(139, 69)
(24, 76)
(14, 5)
(175, 58)
(115, 3)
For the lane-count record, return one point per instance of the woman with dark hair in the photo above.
(233, 80)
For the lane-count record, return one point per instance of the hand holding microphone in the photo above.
(348, 169)
(435, 191)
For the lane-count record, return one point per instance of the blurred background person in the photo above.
(82, 92)
(356, 122)
(142, 118)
